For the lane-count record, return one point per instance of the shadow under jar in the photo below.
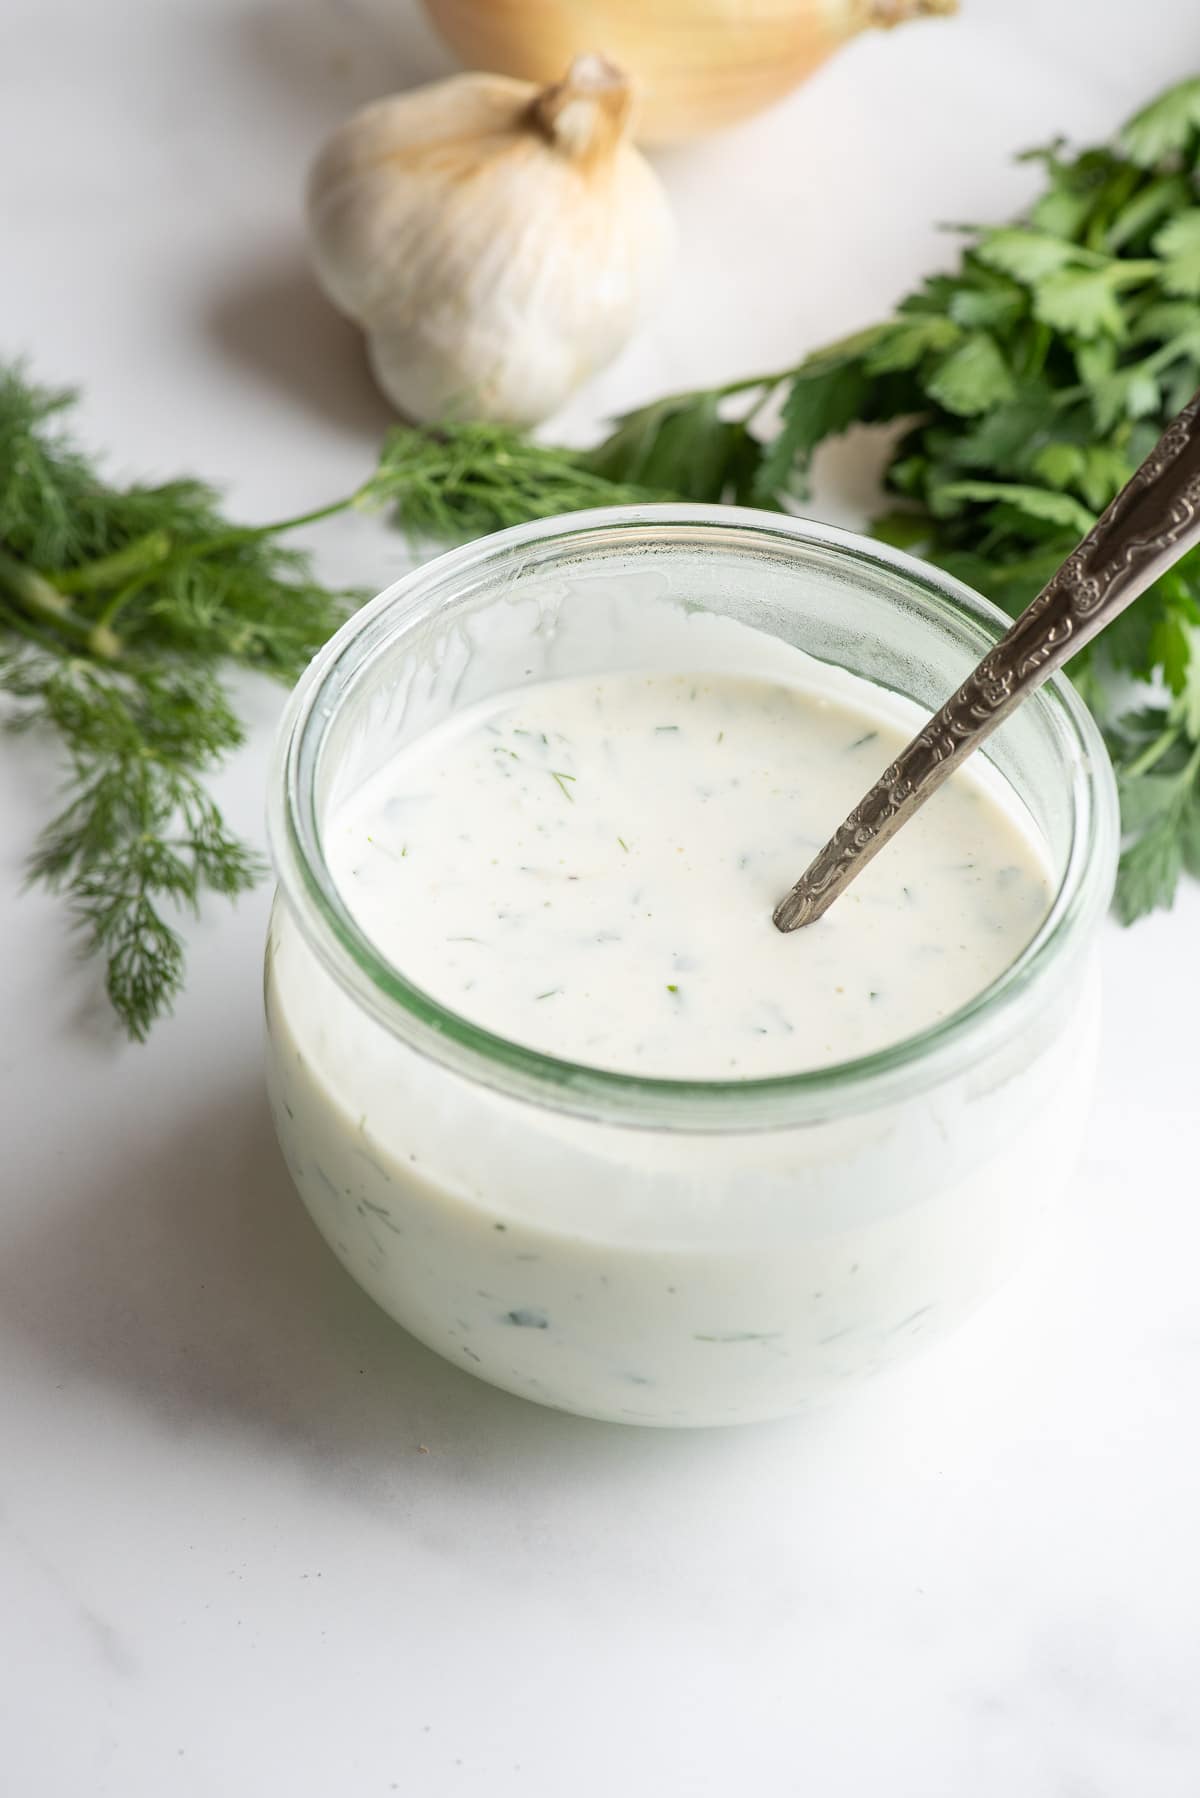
(677, 1252)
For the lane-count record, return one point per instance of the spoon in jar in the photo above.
(1153, 521)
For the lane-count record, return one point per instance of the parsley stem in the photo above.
(1040, 343)
(767, 393)
(748, 383)
(1153, 753)
(855, 343)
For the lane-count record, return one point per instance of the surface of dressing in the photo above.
(588, 867)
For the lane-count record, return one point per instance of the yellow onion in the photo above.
(698, 64)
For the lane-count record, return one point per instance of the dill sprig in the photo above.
(464, 480)
(118, 606)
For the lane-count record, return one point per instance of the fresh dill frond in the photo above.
(464, 480)
(118, 606)
(138, 831)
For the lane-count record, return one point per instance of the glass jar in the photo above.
(660, 1251)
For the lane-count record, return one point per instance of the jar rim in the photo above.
(483, 1057)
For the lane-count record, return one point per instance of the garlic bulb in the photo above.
(497, 243)
(698, 64)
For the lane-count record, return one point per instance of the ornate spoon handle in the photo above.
(1151, 523)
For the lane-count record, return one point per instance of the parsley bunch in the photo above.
(1028, 384)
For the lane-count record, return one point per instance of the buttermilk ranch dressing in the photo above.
(589, 867)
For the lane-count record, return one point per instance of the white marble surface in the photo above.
(252, 1540)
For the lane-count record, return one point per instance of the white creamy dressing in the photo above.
(589, 866)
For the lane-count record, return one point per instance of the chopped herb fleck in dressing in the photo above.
(725, 784)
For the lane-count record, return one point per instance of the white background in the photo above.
(226, 1566)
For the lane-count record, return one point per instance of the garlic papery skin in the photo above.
(699, 64)
(498, 243)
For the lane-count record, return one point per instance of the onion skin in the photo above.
(699, 65)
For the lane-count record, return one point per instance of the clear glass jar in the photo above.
(656, 1251)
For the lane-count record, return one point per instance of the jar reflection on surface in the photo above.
(669, 1252)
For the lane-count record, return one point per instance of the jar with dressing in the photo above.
(546, 1077)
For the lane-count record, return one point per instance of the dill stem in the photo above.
(141, 556)
(102, 639)
(39, 599)
(25, 627)
(154, 553)
(149, 563)
(250, 533)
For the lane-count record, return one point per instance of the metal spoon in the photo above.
(1153, 521)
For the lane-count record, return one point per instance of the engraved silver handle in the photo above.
(1153, 521)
